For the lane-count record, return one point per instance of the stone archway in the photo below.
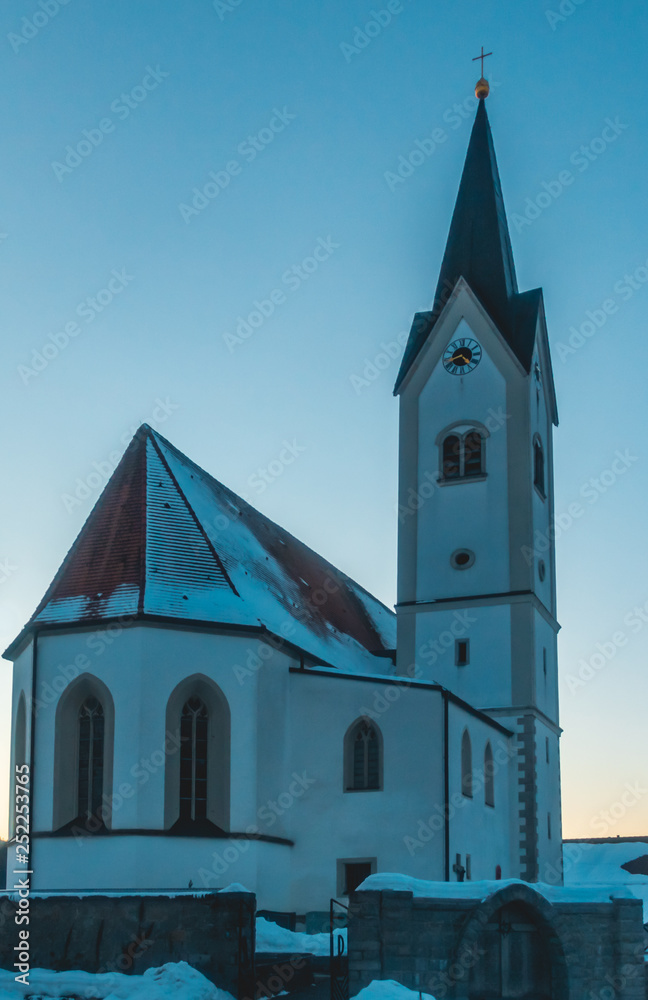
(510, 949)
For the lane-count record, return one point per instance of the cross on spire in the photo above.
(484, 55)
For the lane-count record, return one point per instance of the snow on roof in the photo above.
(166, 539)
(481, 890)
(174, 981)
(587, 863)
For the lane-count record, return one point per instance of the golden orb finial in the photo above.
(482, 90)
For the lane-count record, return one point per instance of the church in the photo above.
(204, 700)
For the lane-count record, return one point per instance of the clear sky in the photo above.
(296, 121)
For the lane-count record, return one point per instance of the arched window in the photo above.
(90, 772)
(489, 776)
(363, 757)
(538, 466)
(452, 457)
(466, 766)
(193, 760)
(462, 454)
(83, 754)
(197, 775)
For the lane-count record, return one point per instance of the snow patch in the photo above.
(176, 980)
(270, 937)
(389, 989)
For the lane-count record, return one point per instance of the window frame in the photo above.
(349, 756)
(467, 771)
(462, 430)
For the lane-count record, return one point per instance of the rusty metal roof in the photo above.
(167, 540)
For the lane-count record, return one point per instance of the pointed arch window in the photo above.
(489, 776)
(462, 455)
(363, 757)
(90, 775)
(194, 725)
(538, 466)
(466, 766)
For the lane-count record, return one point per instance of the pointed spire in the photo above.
(478, 246)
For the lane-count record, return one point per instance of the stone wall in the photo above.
(594, 950)
(212, 932)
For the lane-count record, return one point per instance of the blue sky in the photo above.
(121, 306)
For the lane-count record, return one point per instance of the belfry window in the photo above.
(194, 724)
(90, 777)
(363, 757)
(462, 456)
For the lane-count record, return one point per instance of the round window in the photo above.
(542, 570)
(462, 558)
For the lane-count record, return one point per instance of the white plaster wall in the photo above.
(471, 515)
(328, 823)
(475, 828)
(484, 682)
(146, 862)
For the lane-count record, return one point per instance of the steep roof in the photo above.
(479, 250)
(167, 540)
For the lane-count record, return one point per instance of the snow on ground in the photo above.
(389, 989)
(271, 937)
(175, 981)
(600, 864)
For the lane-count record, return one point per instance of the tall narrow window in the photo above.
(466, 766)
(538, 467)
(363, 757)
(489, 776)
(473, 454)
(90, 777)
(452, 457)
(194, 724)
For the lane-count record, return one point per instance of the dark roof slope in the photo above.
(479, 250)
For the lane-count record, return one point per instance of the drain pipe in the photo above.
(446, 786)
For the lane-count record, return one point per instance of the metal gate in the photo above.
(339, 967)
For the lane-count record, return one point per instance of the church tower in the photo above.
(476, 571)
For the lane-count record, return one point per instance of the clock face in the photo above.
(462, 356)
